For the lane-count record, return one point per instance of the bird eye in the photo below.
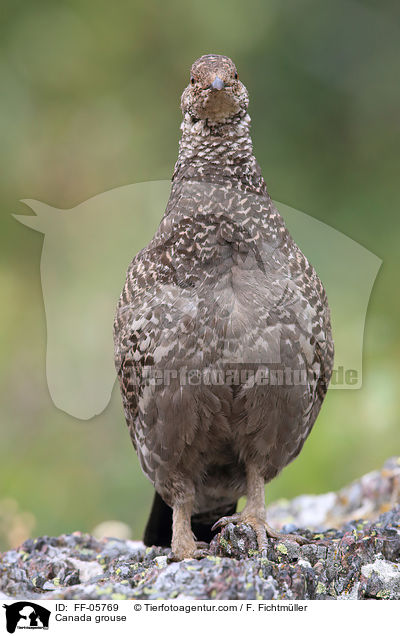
(192, 80)
(236, 75)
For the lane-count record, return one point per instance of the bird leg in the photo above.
(254, 513)
(184, 544)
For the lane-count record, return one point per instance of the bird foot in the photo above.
(199, 550)
(260, 527)
(223, 521)
(274, 534)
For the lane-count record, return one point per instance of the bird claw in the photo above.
(201, 553)
(221, 523)
(258, 525)
(293, 537)
(202, 545)
(267, 530)
(172, 557)
(274, 534)
(198, 553)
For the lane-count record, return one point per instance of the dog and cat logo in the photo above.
(26, 615)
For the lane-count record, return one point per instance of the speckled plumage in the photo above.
(221, 287)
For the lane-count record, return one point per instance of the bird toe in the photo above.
(221, 523)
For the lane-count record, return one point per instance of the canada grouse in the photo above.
(223, 343)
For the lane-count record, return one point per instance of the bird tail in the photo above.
(158, 530)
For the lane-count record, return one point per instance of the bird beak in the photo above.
(217, 84)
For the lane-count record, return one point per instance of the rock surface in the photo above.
(359, 559)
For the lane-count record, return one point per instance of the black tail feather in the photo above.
(158, 530)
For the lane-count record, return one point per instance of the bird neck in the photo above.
(218, 153)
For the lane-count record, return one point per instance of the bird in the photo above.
(222, 333)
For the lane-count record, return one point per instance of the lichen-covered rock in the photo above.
(358, 560)
(381, 579)
(366, 498)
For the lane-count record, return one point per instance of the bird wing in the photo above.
(153, 338)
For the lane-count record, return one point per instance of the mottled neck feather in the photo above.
(218, 153)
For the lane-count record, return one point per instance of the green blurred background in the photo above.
(90, 101)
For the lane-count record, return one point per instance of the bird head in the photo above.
(214, 91)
